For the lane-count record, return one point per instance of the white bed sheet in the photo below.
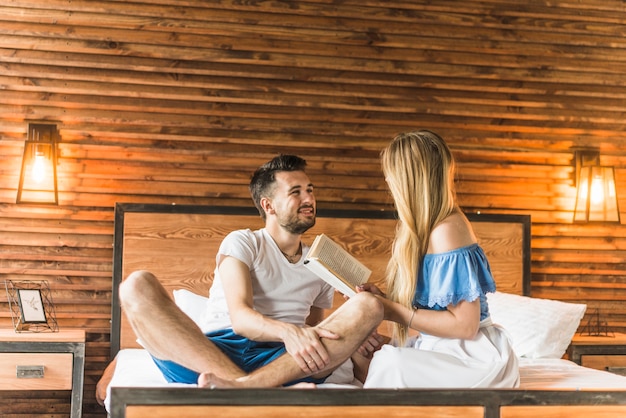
(135, 368)
(549, 373)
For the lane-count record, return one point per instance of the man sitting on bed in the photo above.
(265, 308)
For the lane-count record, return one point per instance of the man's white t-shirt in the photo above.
(281, 290)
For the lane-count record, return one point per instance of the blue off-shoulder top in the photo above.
(453, 276)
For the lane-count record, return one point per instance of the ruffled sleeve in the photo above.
(453, 276)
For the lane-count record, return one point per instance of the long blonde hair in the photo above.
(419, 169)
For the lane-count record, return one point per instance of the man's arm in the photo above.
(302, 343)
(245, 320)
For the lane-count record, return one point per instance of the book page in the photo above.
(339, 261)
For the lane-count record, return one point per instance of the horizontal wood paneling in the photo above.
(177, 101)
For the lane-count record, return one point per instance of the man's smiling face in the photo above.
(293, 201)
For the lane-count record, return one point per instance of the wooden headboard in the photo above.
(178, 243)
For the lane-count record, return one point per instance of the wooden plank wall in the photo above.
(177, 101)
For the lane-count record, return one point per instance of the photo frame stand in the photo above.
(31, 306)
(597, 327)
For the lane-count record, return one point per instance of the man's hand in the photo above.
(306, 348)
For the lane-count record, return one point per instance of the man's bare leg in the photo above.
(166, 332)
(353, 322)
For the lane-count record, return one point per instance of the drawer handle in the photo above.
(29, 372)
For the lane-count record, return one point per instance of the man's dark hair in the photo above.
(263, 179)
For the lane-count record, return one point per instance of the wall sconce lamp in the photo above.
(596, 197)
(38, 176)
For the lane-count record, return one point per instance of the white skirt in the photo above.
(487, 361)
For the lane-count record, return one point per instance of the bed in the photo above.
(178, 243)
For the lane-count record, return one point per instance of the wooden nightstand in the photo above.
(44, 361)
(599, 352)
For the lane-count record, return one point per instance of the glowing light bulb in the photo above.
(597, 191)
(39, 167)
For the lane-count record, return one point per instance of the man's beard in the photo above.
(295, 225)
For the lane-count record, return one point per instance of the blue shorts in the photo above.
(248, 355)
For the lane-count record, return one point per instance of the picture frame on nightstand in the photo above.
(31, 306)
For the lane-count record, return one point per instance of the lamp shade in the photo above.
(38, 175)
(596, 198)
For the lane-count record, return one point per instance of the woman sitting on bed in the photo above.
(437, 279)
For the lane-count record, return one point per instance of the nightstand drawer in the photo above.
(36, 371)
(614, 363)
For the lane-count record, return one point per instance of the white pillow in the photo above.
(538, 328)
(192, 304)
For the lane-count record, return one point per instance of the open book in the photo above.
(335, 265)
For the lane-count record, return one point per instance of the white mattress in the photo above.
(135, 368)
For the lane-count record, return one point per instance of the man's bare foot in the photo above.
(211, 381)
(303, 385)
